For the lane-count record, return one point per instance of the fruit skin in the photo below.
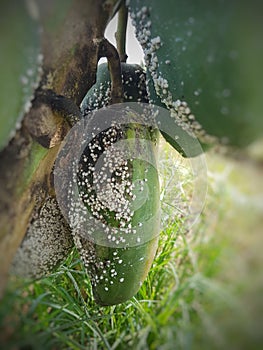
(116, 282)
(130, 274)
(19, 65)
(117, 273)
(210, 53)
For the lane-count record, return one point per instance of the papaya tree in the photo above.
(201, 84)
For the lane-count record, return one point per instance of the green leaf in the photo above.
(19, 64)
(208, 54)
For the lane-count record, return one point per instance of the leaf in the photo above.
(19, 63)
(207, 54)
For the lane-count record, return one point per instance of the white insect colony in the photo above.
(107, 193)
(179, 110)
(101, 193)
(47, 243)
(108, 188)
(101, 96)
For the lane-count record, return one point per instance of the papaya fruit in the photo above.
(107, 187)
(122, 197)
(128, 205)
(19, 65)
(207, 55)
(119, 251)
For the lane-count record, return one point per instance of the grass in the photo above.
(203, 291)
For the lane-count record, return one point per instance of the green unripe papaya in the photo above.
(122, 195)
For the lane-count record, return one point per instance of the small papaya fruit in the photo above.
(107, 186)
(122, 196)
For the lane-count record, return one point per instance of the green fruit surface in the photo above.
(210, 53)
(126, 273)
(19, 63)
(117, 270)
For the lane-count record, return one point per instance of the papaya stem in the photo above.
(110, 52)
(120, 34)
